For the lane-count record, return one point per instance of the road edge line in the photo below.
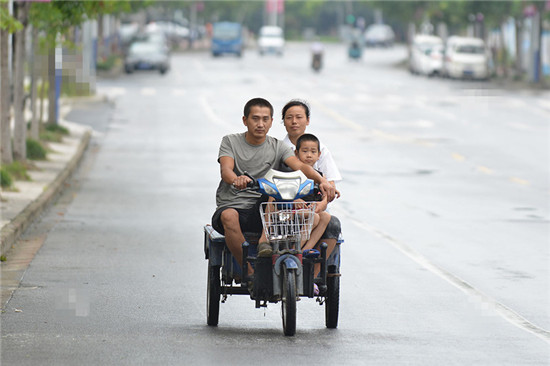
(502, 310)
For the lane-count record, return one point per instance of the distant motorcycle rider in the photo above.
(317, 51)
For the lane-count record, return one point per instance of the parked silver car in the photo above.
(147, 56)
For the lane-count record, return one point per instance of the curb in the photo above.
(12, 231)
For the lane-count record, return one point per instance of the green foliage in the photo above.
(6, 20)
(57, 129)
(108, 63)
(17, 171)
(3, 258)
(50, 136)
(35, 150)
(43, 89)
(60, 16)
(249, 13)
(75, 89)
(6, 181)
(53, 133)
(319, 15)
(57, 17)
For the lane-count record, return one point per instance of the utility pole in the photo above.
(275, 12)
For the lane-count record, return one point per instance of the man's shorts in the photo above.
(249, 218)
(333, 229)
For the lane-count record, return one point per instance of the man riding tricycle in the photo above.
(261, 253)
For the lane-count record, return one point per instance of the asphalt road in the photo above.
(444, 210)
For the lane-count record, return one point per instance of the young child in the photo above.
(308, 151)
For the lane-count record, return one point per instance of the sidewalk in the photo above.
(20, 209)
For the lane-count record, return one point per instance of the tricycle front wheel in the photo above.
(213, 295)
(289, 302)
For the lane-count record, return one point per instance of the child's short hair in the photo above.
(307, 137)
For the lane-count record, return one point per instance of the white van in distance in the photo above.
(271, 40)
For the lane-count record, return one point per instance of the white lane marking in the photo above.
(116, 91)
(477, 296)
(148, 91)
(199, 65)
(178, 92)
(212, 115)
(423, 123)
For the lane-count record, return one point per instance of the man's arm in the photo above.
(227, 164)
(328, 189)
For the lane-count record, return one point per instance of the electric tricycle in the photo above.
(287, 275)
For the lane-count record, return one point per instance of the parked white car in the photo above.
(271, 40)
(426, 55)
(466, 58)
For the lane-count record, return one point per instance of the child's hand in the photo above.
(321, 206)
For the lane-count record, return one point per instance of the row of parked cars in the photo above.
(458, 57)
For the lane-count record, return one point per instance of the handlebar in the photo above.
(253, 184)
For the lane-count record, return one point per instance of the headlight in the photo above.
(306, 190)
(268, 189)
(287, 187)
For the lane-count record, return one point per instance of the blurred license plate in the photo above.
(468, 72)
(144, 65)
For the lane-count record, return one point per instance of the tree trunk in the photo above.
(100, 39)
(35, 126)
(539, 78)
(519, 50)
(51, 87)
(5, 128)
(504, 51)
(20, 127)
(43, 79)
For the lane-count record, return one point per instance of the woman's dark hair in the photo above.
(307, 137)
(293, 103)
(257, 102)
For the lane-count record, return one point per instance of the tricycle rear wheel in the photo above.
(289, 302)
(213, 295)
(332, 300)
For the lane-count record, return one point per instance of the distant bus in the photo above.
(227, 37)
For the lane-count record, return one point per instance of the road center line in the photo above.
(476, 295)
(458, 157)
(338, 117)
(517, 180)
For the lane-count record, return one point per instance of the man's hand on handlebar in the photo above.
(328, 190)
(241, 181)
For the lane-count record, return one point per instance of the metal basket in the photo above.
(287, 221)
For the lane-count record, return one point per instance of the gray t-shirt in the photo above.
(256, 160)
